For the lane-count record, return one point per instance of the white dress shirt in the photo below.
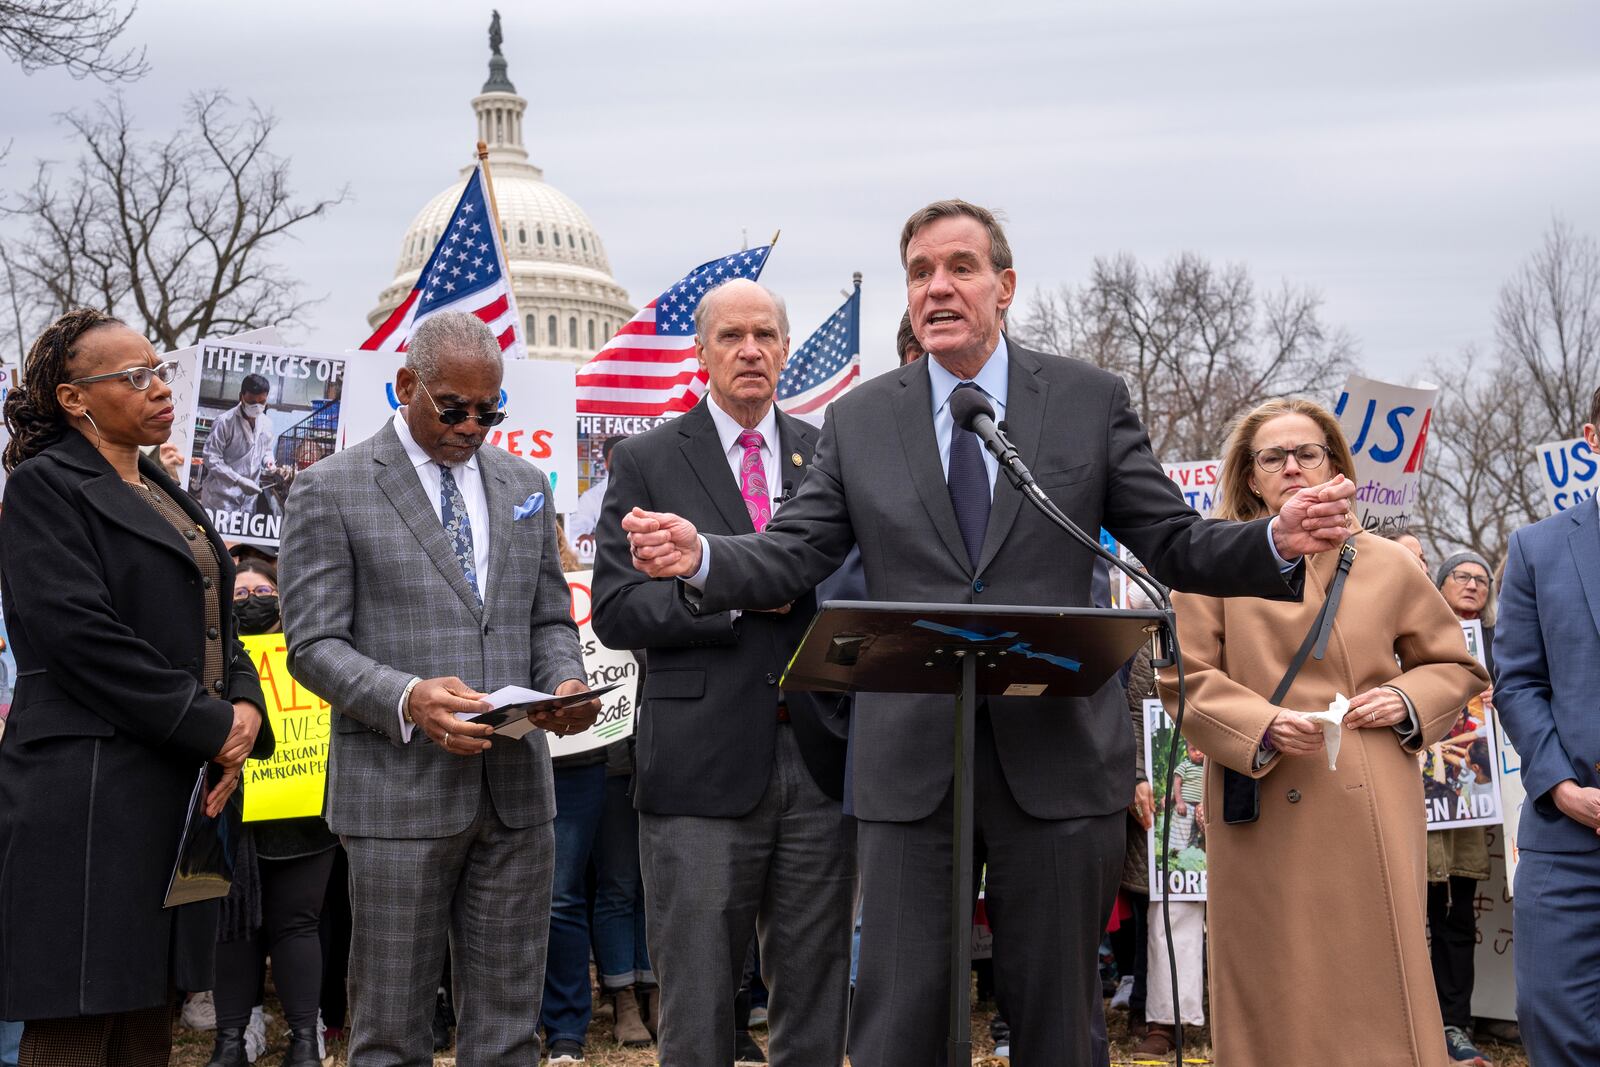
(469, 479)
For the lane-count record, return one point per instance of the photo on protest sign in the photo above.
(597, 436)
(604, 666)
(8, 667)
(538, 397)
(9, 375)
(264, 414)
(291, 783)
(1387, 428)
(1186, 847)
(186, 394)
(1569, 473)
(1460, 774)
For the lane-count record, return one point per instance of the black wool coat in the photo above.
(109, 726)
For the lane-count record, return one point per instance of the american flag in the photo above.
(826, 366)
(650, 367)
(466, 272)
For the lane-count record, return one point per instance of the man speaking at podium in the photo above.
(937, 523)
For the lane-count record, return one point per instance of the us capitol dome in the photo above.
(569, 302)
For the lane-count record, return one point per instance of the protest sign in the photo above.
(1494, 987)
(1568, 471)
(291, 783)
(263, 414)
(1460, 773)
(1196, 479)
(539, 397)
(186, 392)
(1387, 428)
(597, 435)
(604, 666)
(1186, 846)
(8, 668)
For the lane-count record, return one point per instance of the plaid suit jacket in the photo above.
(372, 597)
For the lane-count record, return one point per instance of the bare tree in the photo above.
(1196, 344)
(78, 35)
(172, 236)
(1483, 481)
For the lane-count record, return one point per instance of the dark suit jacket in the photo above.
(708, 726)
(1547, 668)
(105, 608)
(877, 481)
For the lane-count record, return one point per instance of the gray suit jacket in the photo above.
(372, 596)
(877, 480)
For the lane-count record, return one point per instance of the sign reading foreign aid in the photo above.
(538, 396)
(1569, 472)
(1387, 428)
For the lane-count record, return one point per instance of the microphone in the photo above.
(972, 411)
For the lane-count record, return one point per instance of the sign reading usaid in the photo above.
(1568, 471)
(538, 397)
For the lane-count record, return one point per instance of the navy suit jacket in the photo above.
(1547, 669)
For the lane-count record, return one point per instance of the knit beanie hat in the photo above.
(1457, 560)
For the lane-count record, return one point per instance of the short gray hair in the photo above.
(702, 311)
(451, 334)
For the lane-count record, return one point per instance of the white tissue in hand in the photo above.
(1332, 722)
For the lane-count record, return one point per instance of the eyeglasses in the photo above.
(456, 416)
(1307, 457)
(1483, 581)
(138, 377)
(245, 592)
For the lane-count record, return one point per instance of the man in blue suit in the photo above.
(1547, 683)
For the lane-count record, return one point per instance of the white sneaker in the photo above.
(322, 1040)
(199, 1012)
(1002, 1051)
(255, 1034)
(1124, 994)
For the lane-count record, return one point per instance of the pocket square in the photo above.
(531, 506)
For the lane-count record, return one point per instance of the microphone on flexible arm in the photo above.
(971, 410)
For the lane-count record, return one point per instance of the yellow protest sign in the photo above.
(293, 781)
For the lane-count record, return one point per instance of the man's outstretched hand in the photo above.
(1314, 519)
(663, 545)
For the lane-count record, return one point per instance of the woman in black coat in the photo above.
(130, 678)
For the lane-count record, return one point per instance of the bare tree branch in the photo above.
(77, 35)
(174, 236)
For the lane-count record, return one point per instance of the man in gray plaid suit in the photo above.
(420, 572)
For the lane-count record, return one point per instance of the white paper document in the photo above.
(515, 722)
(1332, 722)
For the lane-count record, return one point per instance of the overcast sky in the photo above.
(1402, 158)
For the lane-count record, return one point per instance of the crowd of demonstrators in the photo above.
(420, 572)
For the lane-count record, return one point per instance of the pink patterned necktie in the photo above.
(753, 480)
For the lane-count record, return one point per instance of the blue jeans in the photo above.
(10, 1039)
(619, 944)
(580, 801)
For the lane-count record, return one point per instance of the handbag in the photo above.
(1241, 794)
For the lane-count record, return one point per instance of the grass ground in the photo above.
(192, 1048)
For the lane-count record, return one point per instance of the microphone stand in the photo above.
(1164, 653)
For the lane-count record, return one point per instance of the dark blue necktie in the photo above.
(969, 486)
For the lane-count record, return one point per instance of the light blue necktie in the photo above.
(458, 527)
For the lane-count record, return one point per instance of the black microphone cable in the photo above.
(971, 411)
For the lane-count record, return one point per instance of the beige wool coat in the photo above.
(1317, 911)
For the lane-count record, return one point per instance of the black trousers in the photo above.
(292, 892)
(1051, 884)
(1453, 930)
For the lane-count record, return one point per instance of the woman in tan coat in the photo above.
(1317, 909)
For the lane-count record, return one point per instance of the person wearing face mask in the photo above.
(239, 450)
(1316, 874)
(275, 907)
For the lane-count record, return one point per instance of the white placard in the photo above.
(1186, 870)
(539, 397)
(186, 393)
(1569, 473)
(617, 708)
(1387, 429)
(1196, 479)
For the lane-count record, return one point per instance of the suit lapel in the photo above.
(793, 440)
(1025, 402)
(1584, 541)
(498, 503)
(399, 481)
(914, 416)
(119, 503)
(702, 448)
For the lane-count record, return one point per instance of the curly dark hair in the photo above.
(32, 413)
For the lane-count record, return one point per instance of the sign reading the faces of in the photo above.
(1387, 429)
(539, 398)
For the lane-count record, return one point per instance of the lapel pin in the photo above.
(794, 457)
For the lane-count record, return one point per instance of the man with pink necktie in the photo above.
(738, 784)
